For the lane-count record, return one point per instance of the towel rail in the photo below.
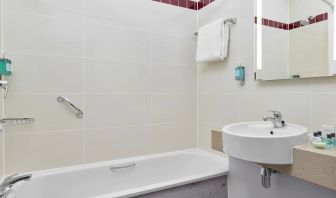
(229, 20)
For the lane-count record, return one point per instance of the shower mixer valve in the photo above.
(4, 85)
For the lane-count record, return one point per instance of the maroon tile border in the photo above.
(187, 3)
(291, 26)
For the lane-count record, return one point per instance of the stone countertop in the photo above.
(314, 165)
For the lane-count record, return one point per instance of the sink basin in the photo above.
(260, 142)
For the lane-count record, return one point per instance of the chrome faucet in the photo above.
(9, 182)
(276, 119)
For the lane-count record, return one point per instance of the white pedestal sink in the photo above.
(260, 142)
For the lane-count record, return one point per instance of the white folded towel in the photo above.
(213, 40)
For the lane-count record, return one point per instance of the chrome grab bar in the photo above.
(131, 165)
(79, 113)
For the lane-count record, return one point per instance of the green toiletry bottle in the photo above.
(329, 141)
(5, 67)
(333, 135)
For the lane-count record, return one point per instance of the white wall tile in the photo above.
(43, 151)
(108, 42)
(174, 108)
(216, 108)
(276, 10)
(173, 49)
(323, 110)
(326, 84)
(173, 79)
(2, 156)
(167, 19)
(59, 8)
(114, 143)
(105, 76)
(226, 9)
(110, 110)
(26, 33)
(125, 13)
(45, 74)
(173, 137)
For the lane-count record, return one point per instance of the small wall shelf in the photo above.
(11, 121)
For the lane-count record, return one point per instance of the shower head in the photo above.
(331, 5)
(306, 21)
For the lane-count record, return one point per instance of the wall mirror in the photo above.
(294, 39)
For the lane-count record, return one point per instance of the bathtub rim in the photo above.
(222, 160)
(41, 173)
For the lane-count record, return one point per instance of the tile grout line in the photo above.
(150, 138)
(197, 90)
(104, 93)
(84, 80)
(172, 65)
(101, 128)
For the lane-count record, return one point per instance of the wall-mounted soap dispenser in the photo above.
(240, 75)
(5, 67)
(5, 70)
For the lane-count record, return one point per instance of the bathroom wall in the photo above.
(219, 94)
(1, 103)
(128, 64)
(309, 102)
(222, 100)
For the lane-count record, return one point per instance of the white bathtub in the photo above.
(150, 173)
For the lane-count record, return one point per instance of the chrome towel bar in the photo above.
(229, 20)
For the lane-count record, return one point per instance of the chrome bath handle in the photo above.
(131, 165)
(79, 113)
